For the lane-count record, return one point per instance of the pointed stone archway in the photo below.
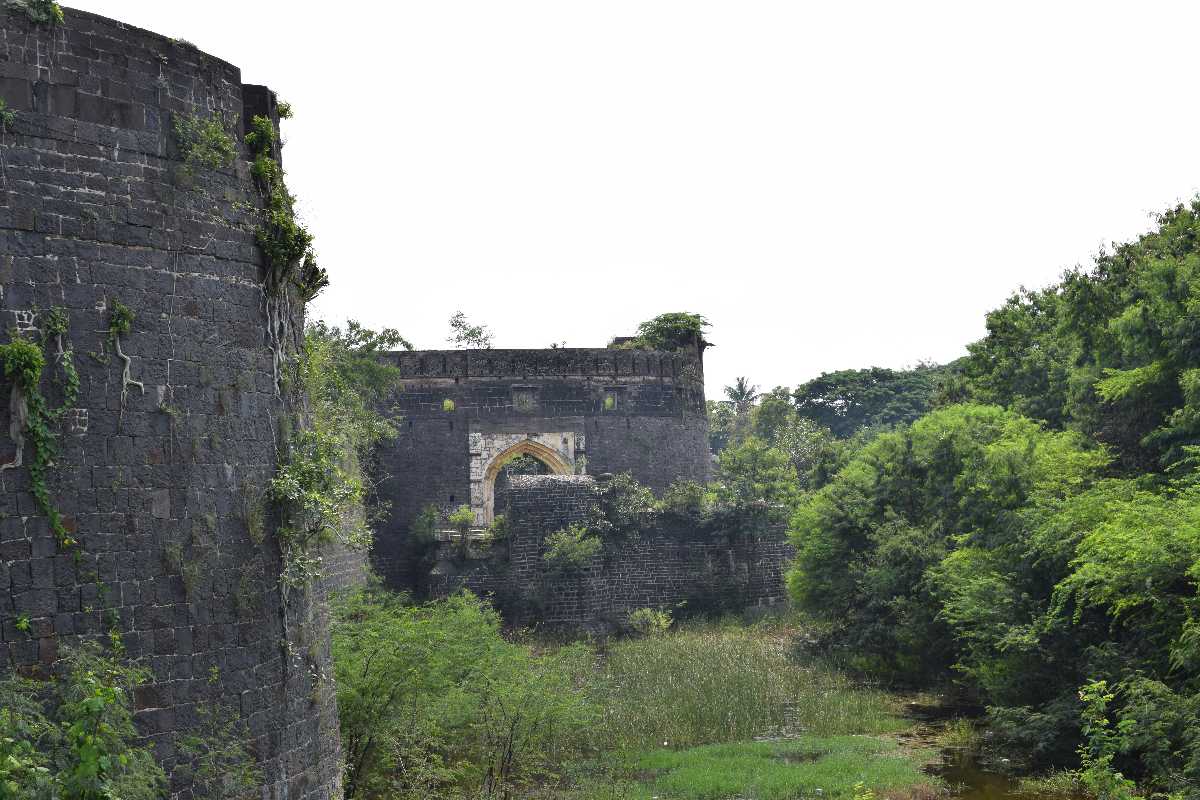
(559, 461)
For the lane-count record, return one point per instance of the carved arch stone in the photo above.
(526, 447)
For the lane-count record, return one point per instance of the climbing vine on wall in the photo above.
(316, 495)
(24, 363)
(285, 243)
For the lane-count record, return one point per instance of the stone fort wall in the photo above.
(666, 566)
(583, 410)
(160, 487)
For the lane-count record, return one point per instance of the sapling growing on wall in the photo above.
(570, 549)
(204, 142)
(464, 334)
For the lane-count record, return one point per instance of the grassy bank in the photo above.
(722, 711)
(436, 703)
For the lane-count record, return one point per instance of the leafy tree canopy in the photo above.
(848, 400)
(1112, 350)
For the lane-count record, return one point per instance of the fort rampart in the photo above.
(671, 565)
(463, 414)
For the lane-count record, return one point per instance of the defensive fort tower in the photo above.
(465, 413)
(166, 449)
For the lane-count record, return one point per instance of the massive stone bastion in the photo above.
(149, 273)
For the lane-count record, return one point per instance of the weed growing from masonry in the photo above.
(7, 117)
(204, 142)
(668, 332)
(216, 758)
(569, 550)
(42, 12)
(120, 323)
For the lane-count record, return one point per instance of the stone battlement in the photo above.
(565, 362)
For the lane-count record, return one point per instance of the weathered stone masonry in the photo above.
(663, 567)
(463, 413)
(164, 489)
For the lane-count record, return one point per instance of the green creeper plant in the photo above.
(7, 117)
(42, 12)
(285, 243)
(24, 363)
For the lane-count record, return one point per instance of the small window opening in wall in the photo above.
(451, 498)
(451, 424)
(410, 423)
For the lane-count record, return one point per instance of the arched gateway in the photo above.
(559, 463)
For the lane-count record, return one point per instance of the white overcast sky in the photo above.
(833, 184)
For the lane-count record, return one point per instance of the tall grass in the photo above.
(724, 684)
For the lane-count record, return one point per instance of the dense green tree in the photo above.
(870, 541)
(848, 400)
(776, 421)
(722, 424)
(752, 474)
(1112, 350)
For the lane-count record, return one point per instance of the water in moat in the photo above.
(968, 777)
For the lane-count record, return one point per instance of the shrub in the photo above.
(571, 549)
(73, 736)
(686, 499)
(462, 519)
(204, 142)
(623, 507)
(42, 12)
(650, 621)
(500, 529)
(668, 332)
(434, 703)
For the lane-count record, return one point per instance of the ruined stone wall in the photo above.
(162, 488)
(602, 410)
(664, 567)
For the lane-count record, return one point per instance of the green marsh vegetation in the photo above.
(437, 703)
